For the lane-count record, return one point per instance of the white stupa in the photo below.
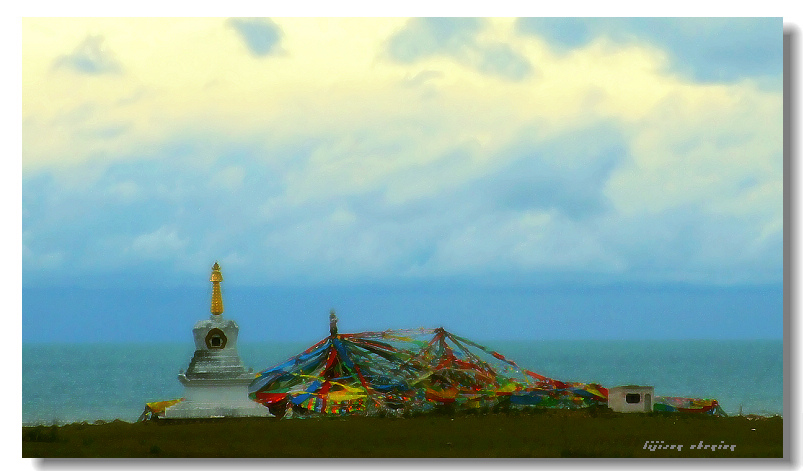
(216, 381)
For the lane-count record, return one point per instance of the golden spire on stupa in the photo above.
(217, 299)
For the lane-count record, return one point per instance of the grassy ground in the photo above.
(550, 433)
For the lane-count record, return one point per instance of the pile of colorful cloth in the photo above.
(409, 371)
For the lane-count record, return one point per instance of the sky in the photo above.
(512, 178)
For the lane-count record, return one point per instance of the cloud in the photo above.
(342, 165)
(695, 244)
(537, 209)
(132, 212)
(161, 243)
(457, 38)
(261, 35)
(689, 147)
(718, 49)
(423, 37)
(704, 49)
(501, 60)
(561, 33)
(556, 173)
(91, 57)
(422, 78)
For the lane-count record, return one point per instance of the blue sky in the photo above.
(346, 157)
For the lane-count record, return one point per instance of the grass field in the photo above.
(540, 434)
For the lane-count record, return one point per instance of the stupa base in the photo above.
(201, 410)
(216, 398)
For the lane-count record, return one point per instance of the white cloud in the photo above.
(90, 57)
(230, 178)
(125, 191)
(37, 261)
(159, 244)
(699, 147)
(364, 165)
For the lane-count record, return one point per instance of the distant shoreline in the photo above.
(120, 420)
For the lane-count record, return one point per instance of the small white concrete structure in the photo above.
(631, 398)
(216, 381)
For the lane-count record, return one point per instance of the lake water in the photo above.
(64, 383)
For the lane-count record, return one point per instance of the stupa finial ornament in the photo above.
(217, 298)
(332, 322)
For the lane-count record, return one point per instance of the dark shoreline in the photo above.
(540, 434)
